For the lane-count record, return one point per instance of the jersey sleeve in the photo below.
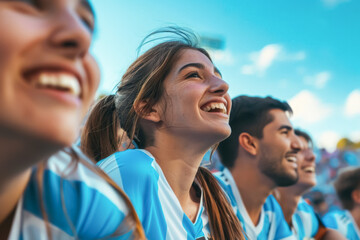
(306, 220)
(76, 202)
(283, 231)
(133, 171)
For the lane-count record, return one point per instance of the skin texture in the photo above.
(258, 157)
(277, 144)
(56, 40)
(178, 123)
(289, 197)
(51, 38)
(40, 37)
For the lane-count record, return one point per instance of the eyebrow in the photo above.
(200, 66)
(287, 127)
(88, 6)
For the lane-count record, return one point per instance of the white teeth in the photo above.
(62, 81)
(309, 169)
(213, 106)
(291, 159)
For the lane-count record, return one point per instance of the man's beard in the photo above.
(273, 169)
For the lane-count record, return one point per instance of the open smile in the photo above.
(292, 160)
(217, 107)
(61, 81)
(309, 169)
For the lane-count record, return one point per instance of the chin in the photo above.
(62, 132)
(224, 134)
(286, 180)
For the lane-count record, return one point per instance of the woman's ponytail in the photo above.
(99, 138)
(223, 222)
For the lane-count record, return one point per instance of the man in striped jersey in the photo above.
(259, 155)
(347, 187)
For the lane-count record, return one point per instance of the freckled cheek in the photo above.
(194, 91)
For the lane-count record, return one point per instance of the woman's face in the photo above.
(47, 76)
(197, 104)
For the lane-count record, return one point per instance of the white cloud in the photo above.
(328, 140)
(318, 80)
(352, 105)
(355, 136)
(267, 55)
(333, 3)
(263, 59)
(308, 108)
(222, 57)
(248, 70)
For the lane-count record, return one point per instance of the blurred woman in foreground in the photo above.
(47, 81)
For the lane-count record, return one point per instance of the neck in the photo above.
(184, 156)
(185, 163)
(10, 194)
(253, 186)
(20, 151)
(288, 200)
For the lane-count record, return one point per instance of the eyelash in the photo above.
(192, 75)
(88, 24)
(87, 19)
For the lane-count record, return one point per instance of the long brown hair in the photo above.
(131, 221)
(143, 82)
(99, 138)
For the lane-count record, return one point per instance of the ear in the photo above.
(355, 195)
(152, 115)
(248, 143)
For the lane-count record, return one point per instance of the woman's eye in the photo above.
(89, 23)
(87, 18)
(193, 75)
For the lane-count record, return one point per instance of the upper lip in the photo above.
(218, 100)
(57, 67)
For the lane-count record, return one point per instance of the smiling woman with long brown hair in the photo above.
(48, 189)
(173, 104)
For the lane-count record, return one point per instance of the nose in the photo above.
(310, 156)
(70, 35)
(218, 86)
(296, 143)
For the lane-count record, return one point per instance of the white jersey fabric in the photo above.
(78, 204)
(157, 206)
(305, 224)
(271, 225)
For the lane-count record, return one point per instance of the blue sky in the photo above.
(306, 52)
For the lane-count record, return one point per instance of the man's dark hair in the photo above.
(305, 135)
(347, 181)
(251, 115)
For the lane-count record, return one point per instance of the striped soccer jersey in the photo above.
(272, 224)
(78, 204)
(305, 224)
(157, 206)
(342, 221)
